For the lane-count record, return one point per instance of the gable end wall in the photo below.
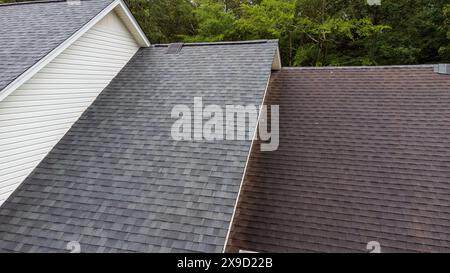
(37, 115)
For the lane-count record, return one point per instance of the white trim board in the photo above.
(132, 24)
(125, 15)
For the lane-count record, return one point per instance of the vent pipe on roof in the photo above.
(174, 48)
(442, 68)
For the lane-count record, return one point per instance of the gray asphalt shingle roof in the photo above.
(118, 182)
(30, 31)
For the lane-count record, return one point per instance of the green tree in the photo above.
(416, 33)
(444, 50)
(271, 19)
(326, 40)
(164, 21)
(215, 22)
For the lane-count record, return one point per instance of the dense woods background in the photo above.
(311, 32)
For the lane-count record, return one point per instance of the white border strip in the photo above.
(248, 159)
(59, 49)
(142, 38)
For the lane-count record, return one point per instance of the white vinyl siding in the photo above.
(37, 115)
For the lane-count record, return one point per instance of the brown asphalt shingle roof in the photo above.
(364, 156)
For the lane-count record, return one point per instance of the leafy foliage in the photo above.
(270, 19)
(444, 50)
(333, 39)
(338, 32)
(164, 21)
(215, 22)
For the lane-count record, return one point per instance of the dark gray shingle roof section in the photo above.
(118, 182)
(30, 31)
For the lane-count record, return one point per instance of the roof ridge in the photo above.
(358, 67)
(221, 43)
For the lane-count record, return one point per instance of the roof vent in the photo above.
(442, 68)
(174, 48)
